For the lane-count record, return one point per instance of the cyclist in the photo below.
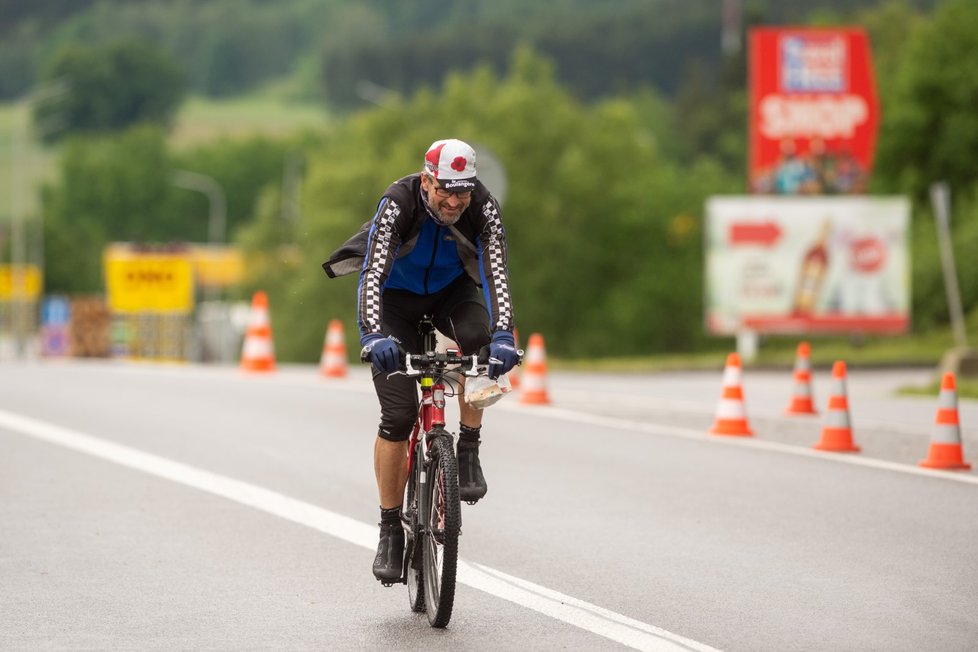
(437, 235)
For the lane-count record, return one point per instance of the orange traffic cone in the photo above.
(514, 374)
(332, 363)
(945, 446)
(258, 352)
(836, 433)
(731, 415)
(535, 375)
(801, 400)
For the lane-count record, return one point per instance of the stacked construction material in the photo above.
(88, 332)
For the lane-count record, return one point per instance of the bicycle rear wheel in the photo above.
(441, 525)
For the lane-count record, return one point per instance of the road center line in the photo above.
(581, 614)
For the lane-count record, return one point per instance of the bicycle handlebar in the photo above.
(417, 364)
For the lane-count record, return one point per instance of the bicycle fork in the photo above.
(431, 421)
(432, 425)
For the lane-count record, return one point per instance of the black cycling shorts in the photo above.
(459, 312)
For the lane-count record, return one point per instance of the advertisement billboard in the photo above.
(807, 265)
(813, 111)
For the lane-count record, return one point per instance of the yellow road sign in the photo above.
(218, 266)
(28, 282)
(148, 281)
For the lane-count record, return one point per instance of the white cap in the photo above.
(452, 162)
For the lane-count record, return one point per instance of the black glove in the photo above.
(383, 352)
(502, 354)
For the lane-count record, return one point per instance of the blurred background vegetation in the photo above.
(614, 121)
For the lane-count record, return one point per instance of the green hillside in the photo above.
(201, 120)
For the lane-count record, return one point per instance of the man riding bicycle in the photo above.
(436, 237)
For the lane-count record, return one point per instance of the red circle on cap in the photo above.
(459, 163)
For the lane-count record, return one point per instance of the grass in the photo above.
(915, 350)
(203, 120)
(967, 389)
(199, 121)
(779, 352)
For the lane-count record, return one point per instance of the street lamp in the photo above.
(217, 222)
(20, 177)
(216, 235)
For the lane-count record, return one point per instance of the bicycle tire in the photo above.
(413, 549)
(442, 525)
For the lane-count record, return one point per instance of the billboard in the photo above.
(807, 265)
(813, 111)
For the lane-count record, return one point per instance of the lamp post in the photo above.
(216, 235)
(962, 359)
(20, 177)
(217, 221)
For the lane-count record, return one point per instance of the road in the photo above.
(189, 507)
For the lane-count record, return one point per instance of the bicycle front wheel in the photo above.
(442, 524)
(414, 553)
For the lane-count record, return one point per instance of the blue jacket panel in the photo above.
(430, 266)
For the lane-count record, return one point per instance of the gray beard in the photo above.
(431, 212)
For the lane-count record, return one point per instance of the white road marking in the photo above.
(360, 384)
(750, 442)
(627, 631)
(581, 614)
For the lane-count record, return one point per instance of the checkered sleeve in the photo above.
(382, 245)
(495, 277)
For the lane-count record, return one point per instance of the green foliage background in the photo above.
(604, 231)
(229, 47)
(107, 88)
(608, 165)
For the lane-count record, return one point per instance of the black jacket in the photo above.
(392, 233)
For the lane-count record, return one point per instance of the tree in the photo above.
(929, 92)
(119, 188)
(109, 189)
(108, 88)
(929, 128)
(605, 244)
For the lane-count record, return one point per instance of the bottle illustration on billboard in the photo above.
(814, 266)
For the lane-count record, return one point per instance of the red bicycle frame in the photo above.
(430, 414)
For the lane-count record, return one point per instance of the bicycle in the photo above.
(432, 514)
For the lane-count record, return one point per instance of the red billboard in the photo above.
(813, 111)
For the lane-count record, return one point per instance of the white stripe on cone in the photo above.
(257, 348)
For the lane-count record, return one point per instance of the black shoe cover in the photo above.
(471, 482)
(390, 553)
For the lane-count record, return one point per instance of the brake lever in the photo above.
(473, 369)
(408, 369)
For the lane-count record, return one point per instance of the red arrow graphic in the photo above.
(759, 233)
